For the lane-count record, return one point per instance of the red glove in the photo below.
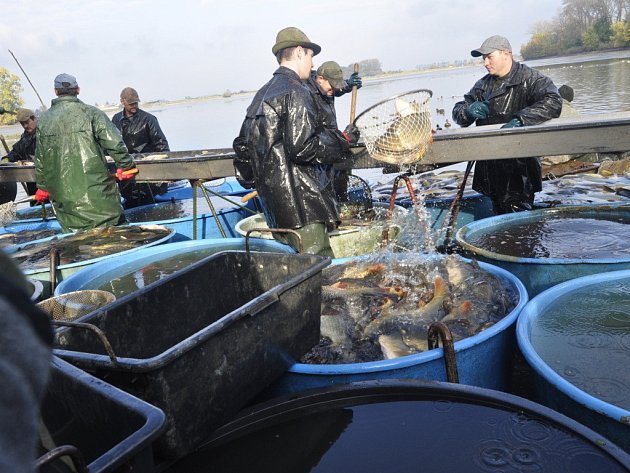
(41, 196)
(124, 175)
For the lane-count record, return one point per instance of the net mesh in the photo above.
(7, 213)
(398, 130)
(75, 304)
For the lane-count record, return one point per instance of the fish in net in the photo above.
(398, 130)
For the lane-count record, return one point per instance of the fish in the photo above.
(410, 132)
(87, 244)
(397, 318)
(393, 346)
(337, 328)
(345, 288)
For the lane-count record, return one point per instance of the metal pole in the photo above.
(29, 80)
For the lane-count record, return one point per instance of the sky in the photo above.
(173, 49)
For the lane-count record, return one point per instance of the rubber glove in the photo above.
(513, 123)
(477, 110)
(41, 196)
(124, 175)
(352, 134)
(354, 79)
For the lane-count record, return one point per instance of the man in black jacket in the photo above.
(24, 148)
(327, 83)
(289, 148)
(516, 95)
(142, 134)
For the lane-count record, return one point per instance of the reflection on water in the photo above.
(403, 436)
(562, 236)
(584, 336)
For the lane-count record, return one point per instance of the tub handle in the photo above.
(99, 333)
(64, 450)
(272, 231)
(439, 330)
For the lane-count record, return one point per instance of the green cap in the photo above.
(291, 37)
(23, 114)
(331, 71)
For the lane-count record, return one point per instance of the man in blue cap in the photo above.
(73, 140)
(516, 95)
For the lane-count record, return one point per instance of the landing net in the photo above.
(398, 130)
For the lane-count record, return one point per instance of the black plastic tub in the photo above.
(404, 427)
(112, 430)
(205, 340)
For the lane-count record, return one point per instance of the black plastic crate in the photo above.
(204, 341)
(111, 430)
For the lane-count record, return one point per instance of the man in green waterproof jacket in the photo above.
(71, 170)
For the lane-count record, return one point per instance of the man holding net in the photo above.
(325, 84)
(288, 147)
(516, 95)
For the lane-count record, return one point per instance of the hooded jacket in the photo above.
(292, 150)
(141, 132)
(72, 141)
(525, 94)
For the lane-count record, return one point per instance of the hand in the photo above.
(478, 110)
(354, 79)
(41, 196)
(513, 123)
(352, 134)
(124, 175)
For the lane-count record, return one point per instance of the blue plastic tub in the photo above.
(96, 275)
(541, 273)
(574, 393)
(206, 223)
(65, 270)
(483, 360)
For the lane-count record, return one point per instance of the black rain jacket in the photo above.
(291, 150)
(141, 132)
(525, 94)
(24, 149)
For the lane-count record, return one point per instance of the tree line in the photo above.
(581, 26)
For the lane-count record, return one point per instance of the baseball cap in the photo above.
(130, 95)
(331, 71)
(291, 37)
(65, 81)
(23, 114)
(493, 43)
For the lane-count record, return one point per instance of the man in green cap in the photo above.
(24, 148)
(327, 83)
(285, 148)
(70, 167)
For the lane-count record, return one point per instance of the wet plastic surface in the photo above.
(199, 351)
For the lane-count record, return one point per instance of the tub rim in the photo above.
(497, 220)
(535, 361)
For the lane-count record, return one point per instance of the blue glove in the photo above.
(354, 79)
(513, 123)
(478, 110)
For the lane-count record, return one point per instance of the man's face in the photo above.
(29, 125)
(498, 63)
(131, 108)
(325, 86)
(305, 62)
